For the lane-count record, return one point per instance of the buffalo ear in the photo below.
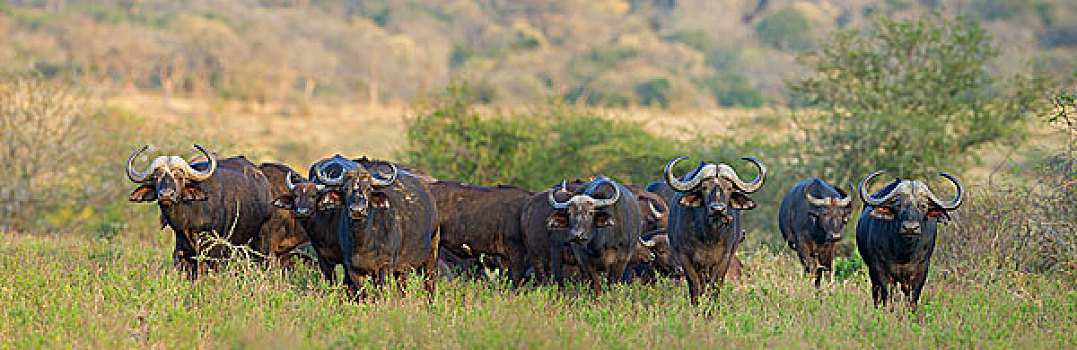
(379, 200)
(942, 216)
(332, 199)
(192, 193)
(285, 202)
(690, 201)
(741, 202)
(603, 220)
(557, 220)
(882, 213)
(144, 193)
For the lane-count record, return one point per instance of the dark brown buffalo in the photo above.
(388, 225)
(704, 226)
(316, 206)
(661, 247)
(544, 231)
(230, 198)
(282, 233)
(604, 228)
(896, 235)
(811, 218)
(476, 220)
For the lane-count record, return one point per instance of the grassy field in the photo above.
(84, 293)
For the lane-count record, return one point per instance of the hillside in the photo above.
(674, 54)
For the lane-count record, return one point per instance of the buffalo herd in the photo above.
(383, 220)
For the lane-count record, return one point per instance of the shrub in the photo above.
(910, 96)
(787, 28)
(733, 90)
(535, 150)
(44, 127)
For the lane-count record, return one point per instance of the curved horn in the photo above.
(199, 176)
(682, 186)
(951, 204)
(819, 202)
(649, 243)
(610, 201)
(864, 196)
(331, 182)
(750, 187)
(848, 199)
(654, 211)
(288, 182)
(377, 180)
(133, 175)
(553, 201)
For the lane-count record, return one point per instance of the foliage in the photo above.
(44, 126)
(734, 90)
(910, 96)
(787, 28)
(535, 149)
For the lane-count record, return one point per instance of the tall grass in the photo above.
(67, 292)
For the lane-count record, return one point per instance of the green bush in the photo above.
(535, 150)
(910, 96)
(733, 90)
(787, 28)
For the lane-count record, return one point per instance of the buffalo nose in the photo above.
(577, 234)
(302, 211)
(717, 207)
(911, 226)
(166, 192)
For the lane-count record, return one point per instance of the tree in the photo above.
(910, 96)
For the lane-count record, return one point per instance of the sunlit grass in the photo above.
(62, 292)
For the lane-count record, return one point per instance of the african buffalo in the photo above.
(477, 220)
(282, 233)
(317, 208)
(388, 225)
(544, 230)
(229, 197)
(896, 234)
(604, 227)
(704, 220)
(811, 218)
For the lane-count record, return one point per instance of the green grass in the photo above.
(83, 293)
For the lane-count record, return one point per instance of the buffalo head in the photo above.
(662, 253)
(717, 189)
(360, 189)
(169, 179)
(585, 212)
(830, 214)
(910, 203)
(304, 197)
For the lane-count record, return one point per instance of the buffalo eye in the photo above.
(882, 213)
(690, 200)
(603, 220)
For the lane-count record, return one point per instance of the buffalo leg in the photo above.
(917, 286)
(694, 286)
(328, 270)
(878, 287)
(556, 251)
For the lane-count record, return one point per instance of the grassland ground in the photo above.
(71, 291)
